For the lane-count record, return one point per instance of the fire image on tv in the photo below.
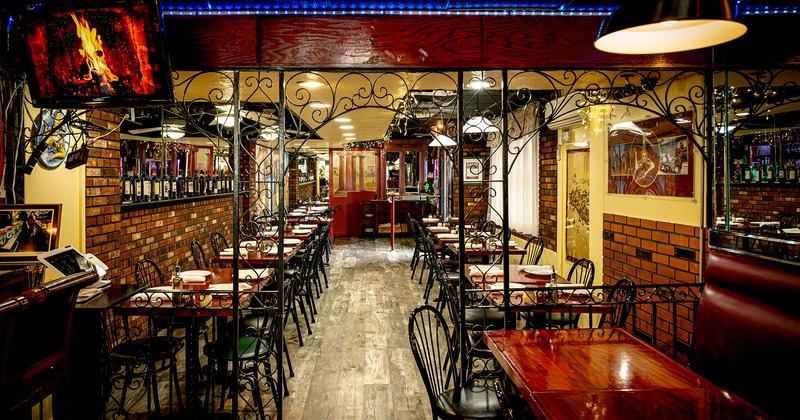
(106, 55)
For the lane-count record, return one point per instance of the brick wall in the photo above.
(164, 233)
(651, 253)
(161, 233)
(770, 201)
(548, 187)
(103, 193)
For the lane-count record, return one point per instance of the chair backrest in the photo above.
(788, 221)
(199, 255)
(622, 295)
(36, 327)
(582, 272)
(218, 242)
(147, 272)
(432, 349)
(753, 217)
(534, 246)
(771, 245)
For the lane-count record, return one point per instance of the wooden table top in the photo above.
(257, 258)
(564, 372)
(110, 296)
(250, 280)
(479, 250)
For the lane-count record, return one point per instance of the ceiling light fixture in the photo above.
(342, 119)
(665, 26)
(440, 140)
(319, 105)
(480, 125)
(346, 127)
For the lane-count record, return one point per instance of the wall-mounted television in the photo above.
(87, 54)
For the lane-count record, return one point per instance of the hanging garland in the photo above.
(368, 144)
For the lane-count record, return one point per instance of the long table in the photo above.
(219, 303)
(607, 373)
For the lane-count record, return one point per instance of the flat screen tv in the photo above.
(88, 54)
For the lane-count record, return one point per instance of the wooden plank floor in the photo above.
(357, 364)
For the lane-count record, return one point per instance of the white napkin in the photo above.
(439, 229)
(154, 294)
(302, 226)
(251, 274)
(489, 271)
(229, 251)
(228, 287)
(193, 279)
(768, 223)
(538, 270)
(301, 231)
(319, 208)
(447, 236)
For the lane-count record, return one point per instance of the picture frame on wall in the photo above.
(27, 230)
(473, 170)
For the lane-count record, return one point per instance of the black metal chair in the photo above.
(198, 255)
(431, 345)
(254, 348)
(136, 356)
(582, 273)
(218, 242)
(535, 247)
(622, 297)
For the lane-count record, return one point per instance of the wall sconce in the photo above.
(664, 26)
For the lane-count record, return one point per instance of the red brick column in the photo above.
(548, 187)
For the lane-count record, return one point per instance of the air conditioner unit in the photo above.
(565, 112)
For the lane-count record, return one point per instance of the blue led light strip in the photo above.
(307, 12)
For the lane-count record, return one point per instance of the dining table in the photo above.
(607, 373)
(524, 282)
(483, 251)
(252, 256)
(203, 293)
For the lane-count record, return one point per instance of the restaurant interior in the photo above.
(513, 210)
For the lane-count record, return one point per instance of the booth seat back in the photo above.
(747, 330)
(34, 346)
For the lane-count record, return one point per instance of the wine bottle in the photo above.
(127, 188)
(201, 181)
(216, 183)
(166, 194)
(747, 172)
(780, 173)
(791, 172)
(736, 177)
(173, 189)
(769, 174)
(190, 181)
(147, 186)
(156, 186)
(137, 186)
(757, 172)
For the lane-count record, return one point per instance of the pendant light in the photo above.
(440, 140)
(665, 26)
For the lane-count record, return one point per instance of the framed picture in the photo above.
(27, 230)
(473, 170)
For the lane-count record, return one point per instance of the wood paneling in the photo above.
(443, 42)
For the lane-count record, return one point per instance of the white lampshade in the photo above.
(665, 26)
(174, 134)
(480, 125)
(440, 140)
